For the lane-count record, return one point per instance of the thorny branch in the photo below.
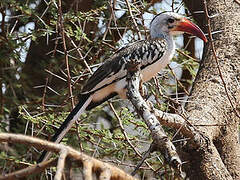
(65, 51)
(134, 21)
(145, 156)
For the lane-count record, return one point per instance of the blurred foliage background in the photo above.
(49, 48)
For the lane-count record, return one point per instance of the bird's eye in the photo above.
(170, 20)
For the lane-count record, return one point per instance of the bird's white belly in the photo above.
(152, 70)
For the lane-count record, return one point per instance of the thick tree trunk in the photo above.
(209, 108)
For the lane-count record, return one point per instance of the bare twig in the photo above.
(81, 56)
(60, 19)
(163, 95)
(123, 131)
(109, 22)
(178, 122)
(186, 55)
(57, 76)
(44, 94)
(145, 156)
(134, 21)
(180, 84)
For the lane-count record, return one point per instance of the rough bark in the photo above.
(210, 109)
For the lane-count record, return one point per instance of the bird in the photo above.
(109, 79)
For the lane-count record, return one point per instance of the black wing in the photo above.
(113, 68)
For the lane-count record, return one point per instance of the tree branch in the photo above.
(186, 128)
(29, 170)
(161, 140)
(87, 170)
(66, 152)
(62, 30)
(61, 163)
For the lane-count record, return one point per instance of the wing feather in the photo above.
(113, 68)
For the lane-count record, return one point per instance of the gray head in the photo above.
(169, 23)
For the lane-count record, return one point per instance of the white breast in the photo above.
(151, 71)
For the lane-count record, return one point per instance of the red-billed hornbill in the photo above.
(110, 78)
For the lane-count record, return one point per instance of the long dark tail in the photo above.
(84, 101)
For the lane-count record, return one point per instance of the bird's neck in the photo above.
(166, 36)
